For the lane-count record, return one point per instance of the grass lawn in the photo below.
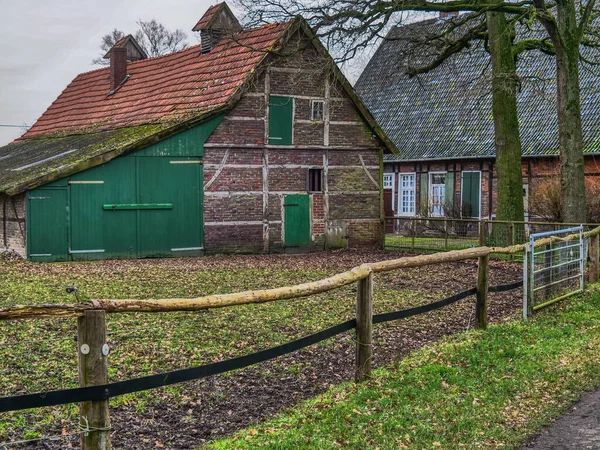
(488, 389)
(430, 243)
(41, 355)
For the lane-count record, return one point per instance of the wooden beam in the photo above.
(425, 260)
(92, 351)
(364, 328)
(482, 292)
(594, 254)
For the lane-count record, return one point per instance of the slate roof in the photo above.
(447, 113)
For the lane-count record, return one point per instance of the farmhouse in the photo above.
(252, 141)
(441, 123)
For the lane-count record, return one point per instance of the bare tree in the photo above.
(348, 26)
(154, 38)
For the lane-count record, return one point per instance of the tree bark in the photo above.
(570, 134)
(506, 122)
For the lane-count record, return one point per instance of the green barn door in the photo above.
(471, 194)
(297, 220)
(97, 232)
(170, 190)
(47, 225)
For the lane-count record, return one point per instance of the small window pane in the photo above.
(318, 110)
(387, 181)
(315, 180)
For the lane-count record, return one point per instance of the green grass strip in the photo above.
(488, 389)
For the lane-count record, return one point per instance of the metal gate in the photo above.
(553, 271)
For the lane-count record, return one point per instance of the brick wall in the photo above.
(244, 202)
(13, 232)
(534, 170)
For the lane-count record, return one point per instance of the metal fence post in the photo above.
(364, 328)
(414, 232)
(93, 371)
(594, 255)
(482, 291)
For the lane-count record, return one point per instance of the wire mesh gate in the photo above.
(553, 271)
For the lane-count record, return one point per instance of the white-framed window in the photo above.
(317, 110)
(388, 181)
(437, 193)
(406, 194)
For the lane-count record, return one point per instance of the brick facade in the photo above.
(534, 170)
(244, 202)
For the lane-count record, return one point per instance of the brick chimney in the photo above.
(118, 67)
(445, 15)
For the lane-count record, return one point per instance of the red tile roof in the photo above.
(170, 88)
(208, 16)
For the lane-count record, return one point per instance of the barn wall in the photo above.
(12, 218)
(247, 180)
(145, 204)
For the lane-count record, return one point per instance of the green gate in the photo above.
(297, 220)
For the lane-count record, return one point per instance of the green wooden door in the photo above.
(297, 220)
(471, 194)
(174, 184)
(47, 225)
(281, 118)
(97, 233)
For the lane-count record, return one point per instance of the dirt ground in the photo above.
(220, 405)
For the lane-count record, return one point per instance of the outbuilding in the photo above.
(252, 141)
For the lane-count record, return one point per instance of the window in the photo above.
(317, 110)
(315, 180)
(437, 193)
(281, 119)
(388, 181)
(406, 194)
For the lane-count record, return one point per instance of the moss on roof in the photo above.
(32, 162)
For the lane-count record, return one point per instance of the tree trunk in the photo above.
(570, 134)
(506, 121)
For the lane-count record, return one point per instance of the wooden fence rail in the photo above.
(93, 351)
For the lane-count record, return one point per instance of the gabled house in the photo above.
(252, 141)
(441, 122)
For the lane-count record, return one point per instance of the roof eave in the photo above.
(111, 154)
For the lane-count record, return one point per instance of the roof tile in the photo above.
(159, 89)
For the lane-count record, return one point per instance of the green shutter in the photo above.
(470, 194)
(424, 194)
(297, 220)
(281, 117)
(449, 197)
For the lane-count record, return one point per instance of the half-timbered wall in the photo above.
(247, 180)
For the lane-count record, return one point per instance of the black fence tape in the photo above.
(506, 287)
(386, 317)
(104, 392)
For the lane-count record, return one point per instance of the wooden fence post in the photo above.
(364, 328)
(594, 255)
(445, 234)
(93, 371)
(482, 236)
(482, 291)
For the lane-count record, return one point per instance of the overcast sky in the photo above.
(45, 44)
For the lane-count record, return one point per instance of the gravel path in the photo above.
(578, 428)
